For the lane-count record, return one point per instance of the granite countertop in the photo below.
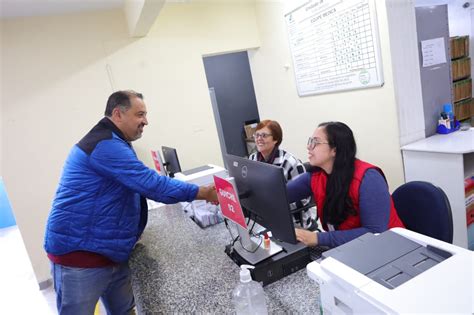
(178, 267)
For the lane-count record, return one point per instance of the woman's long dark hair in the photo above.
(338, 205)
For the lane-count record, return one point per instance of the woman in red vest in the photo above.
(351, 195)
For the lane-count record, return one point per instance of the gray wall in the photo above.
(432, 22)
(230, 77)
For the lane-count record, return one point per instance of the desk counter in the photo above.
(454, 143)
(177, 267)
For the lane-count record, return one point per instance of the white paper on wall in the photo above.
(433, 52)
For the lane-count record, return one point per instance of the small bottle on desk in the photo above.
(266, 241)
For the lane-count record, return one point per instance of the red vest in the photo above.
(318, 186)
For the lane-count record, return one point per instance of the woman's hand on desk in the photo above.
(307, 237)
(208, 193)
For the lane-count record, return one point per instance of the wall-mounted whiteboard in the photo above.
(334, 45)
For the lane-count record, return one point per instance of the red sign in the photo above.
(229, 201)
(469, 216)
(156, 161)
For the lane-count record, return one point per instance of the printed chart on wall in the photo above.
(334, 45)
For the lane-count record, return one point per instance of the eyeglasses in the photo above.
(262, 135)
(313, 142)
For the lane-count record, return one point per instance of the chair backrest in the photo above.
(424, 208)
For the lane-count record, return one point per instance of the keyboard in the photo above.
(316, 252)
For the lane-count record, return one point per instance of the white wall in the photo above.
(54, 85)
(406, 70)
(58, 72)
(371, 113)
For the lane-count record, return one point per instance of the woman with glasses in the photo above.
(351, 195)
(268, 137)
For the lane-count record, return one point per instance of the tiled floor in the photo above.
(19, 289)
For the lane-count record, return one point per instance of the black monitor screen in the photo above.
(171, 160)
(262, 191)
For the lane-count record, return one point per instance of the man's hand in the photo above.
(307, 237)
(208, 193)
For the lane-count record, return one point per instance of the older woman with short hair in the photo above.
(268, 137)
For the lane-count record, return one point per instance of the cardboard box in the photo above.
(459, 46)
(250, 130)
(461, 68)
(462, 109)
(462, 89)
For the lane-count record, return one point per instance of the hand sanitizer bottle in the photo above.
(248, 297)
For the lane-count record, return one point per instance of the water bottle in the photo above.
(248, 297)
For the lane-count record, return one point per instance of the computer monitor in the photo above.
(262, 192)
(171, 160)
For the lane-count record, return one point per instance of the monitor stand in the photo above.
(252, 248)
(287, 260)
(293, 258)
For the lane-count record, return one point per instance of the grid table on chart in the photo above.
(353, 43)
(337, 46)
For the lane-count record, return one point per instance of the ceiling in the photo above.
(23, 8)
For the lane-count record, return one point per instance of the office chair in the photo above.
(424, 208)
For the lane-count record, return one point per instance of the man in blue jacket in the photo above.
(99, 211)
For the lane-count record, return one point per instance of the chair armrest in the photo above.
(298, 210)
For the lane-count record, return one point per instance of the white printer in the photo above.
(204, 214)
(395, 272)
(202, 175)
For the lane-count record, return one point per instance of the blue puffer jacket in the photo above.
(99, 205)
